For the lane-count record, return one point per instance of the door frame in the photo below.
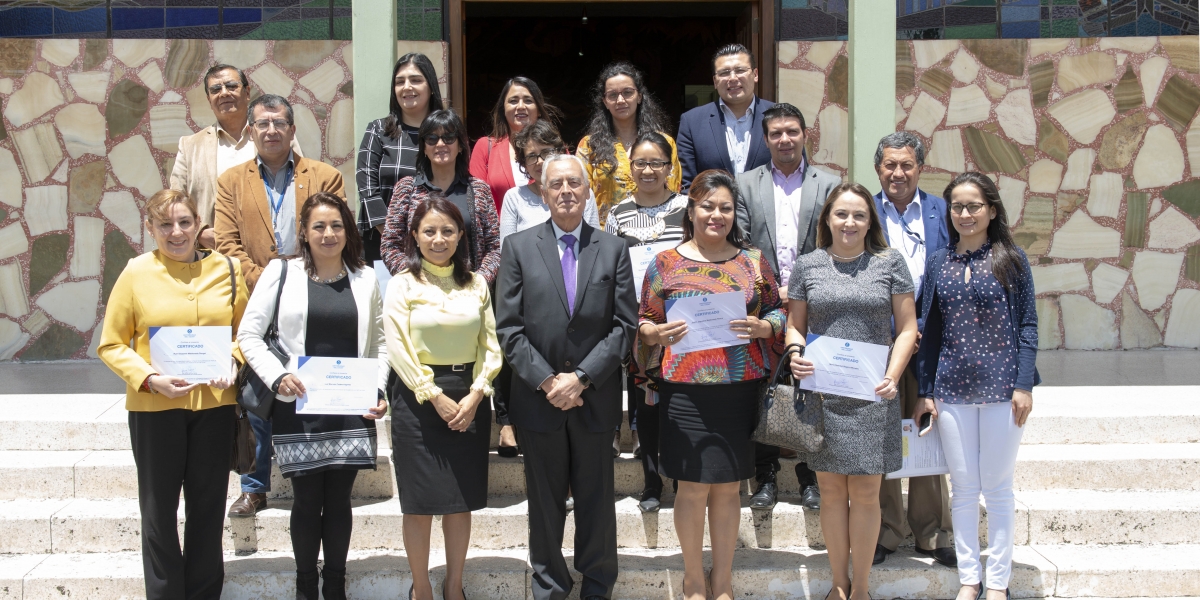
(762, 35)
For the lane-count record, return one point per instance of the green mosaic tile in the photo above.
(47, 259)
(343, 28)
(314, 29)
(1186, 196)
(433, 26)
(971, 32)
(1191, 268)
(1137, 208)
(411, 4)
(117, 253)
(57, 343)
(278, 30)
(1064, 28)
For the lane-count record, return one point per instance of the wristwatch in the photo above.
(583, 378)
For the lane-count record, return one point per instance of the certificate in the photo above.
(707, 319)
(845, 367)
(641, 257)
(198, 354)
(337, 386)
(922, 455)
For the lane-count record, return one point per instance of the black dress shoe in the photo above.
(764, 496)
(508, 451)
(650, 502)
(942, 556)
(810, 498)
(881, 554)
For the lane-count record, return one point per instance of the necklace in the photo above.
(846, 258)
(854, 261)
(331, 279)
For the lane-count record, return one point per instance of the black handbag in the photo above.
(253, 394)
(242, 456)
(788, 416)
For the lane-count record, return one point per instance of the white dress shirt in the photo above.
(737, 134)
(282, 182)
(787, 216)
(233, 151)
(906, 233)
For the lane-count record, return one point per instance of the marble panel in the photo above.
(1136, 45)
(299, 56)
(1087, 326)
(993, 153)
(1079, 71)
(1064, 207)
(1178, 102)
(169, 97)
(13, 241)
(820, 54)
(340, 142)
(135, 52)
(1160, 161)
(14, 302)
(11, 339)
(10, 179)
(6, 86)
(1186, 196)
(97, 334)
(1041, 79)
(1155, 275)
(926, 115)
(36, 323)
(347, 89)
(272, 80)
(73, 303)
(1107, 282)
(1084, 114)
(39, 94)
(1193, 148)
(91, 85)
(121, 210)
(1036, 224)
(126, 106)
(1045, 176)
(82, 128)
(804, 89)
(967, 105)
(242, 54)
(324, 80)
(833, 123)
(995, 89)
(936, 81)
(85, 184)
(1138, 330)
(152, 76)
(57, 343)
(1004, 56)
(1191, 269)
(837, 86)
(47, 259)
(1104, 195)
(134, 166)
(87, 236)
(187, 60)
(347, 169)
(308, 131)
(1038, 47)
(1081, 237)
(1015, 115)
(1184, 52)
(1064, 277)
(905, 76)
(1050, 140)
(45, 209)
(1122, 140)
(946, 151)
(1079, 168)
(929, 52)
(1183, 326)
(168, 123)
(60, 52)
(964, 68)
(117, 253)
(60, 174)
(1137, 207)
(1152, 71)
(1049, 336)
(1012, 195)
(787, 51)
(199, 108)
(95, 52)
(900, 114)
(1128, 92)
(1172, 230)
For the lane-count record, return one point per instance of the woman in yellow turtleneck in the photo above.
(441, 342)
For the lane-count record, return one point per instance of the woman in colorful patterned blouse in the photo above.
(976, 370)
(622, 110)
(708, 397)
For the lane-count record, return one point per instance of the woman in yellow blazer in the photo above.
(182, 434)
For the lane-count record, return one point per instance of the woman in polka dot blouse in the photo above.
(976, 371)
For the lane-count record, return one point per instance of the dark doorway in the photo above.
(671, 42)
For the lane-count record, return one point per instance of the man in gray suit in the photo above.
(778, 211)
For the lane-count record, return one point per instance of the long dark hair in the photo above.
(352, 251)
(541, 131)
(1006, 259)
(704, 185)
(545, 110)
(444, 122)
(412, 252)
(391, 125)
(602, 135)
(875, 242)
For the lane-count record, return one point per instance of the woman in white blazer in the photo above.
(330, 306)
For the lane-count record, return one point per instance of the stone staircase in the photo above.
(1108, 506)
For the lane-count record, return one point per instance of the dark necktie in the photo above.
(568, 270)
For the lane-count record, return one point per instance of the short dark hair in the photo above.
(702, 186)
(391, 125)
(545, 110)
(731, 50)
(444, 122)
(412, 252)
(874, 242)
(352, 252)
(271, 101)
(658, 140)
(541, 131)
(900, 139)
(782, 110)
(217, 68)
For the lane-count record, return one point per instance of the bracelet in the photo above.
(146, 384)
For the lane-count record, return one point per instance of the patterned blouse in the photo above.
(611, 184)
(483, 233)
(382, 161)
(978, 363)
(673, 275)
(648, 224)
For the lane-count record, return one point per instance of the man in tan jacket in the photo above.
(205, 155)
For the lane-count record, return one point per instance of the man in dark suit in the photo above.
(725, 134)
(566, 317)
(914, 222)
(778, 210)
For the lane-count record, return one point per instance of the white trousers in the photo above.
(980, 442)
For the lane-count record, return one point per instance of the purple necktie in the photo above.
(568, 269)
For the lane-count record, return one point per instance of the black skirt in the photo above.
(307, 444)
(439, 471)
(704, 431)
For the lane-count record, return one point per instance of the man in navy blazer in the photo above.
(726, 134)
(914, 222)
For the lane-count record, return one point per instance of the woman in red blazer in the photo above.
(520, 104)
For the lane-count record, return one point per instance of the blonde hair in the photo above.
(158, 207)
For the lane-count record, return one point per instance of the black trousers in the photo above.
(766, 465)
(576, 458)
(321, 514)
(186, 449)
(647, 419)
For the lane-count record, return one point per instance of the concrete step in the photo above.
(1039, 571)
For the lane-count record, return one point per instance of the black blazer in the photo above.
(541, 339)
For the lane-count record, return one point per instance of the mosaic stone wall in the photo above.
(1095, 145)
(90, 130)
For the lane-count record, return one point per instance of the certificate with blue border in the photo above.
(198, 354)
(337, 386)
(845, 367)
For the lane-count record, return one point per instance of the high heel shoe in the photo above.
(464, 592)
(409, 596)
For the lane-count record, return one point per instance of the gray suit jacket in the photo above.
(756, 208)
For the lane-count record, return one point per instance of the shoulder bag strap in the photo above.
(232, 282)
(273, 328)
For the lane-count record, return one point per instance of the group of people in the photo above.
(513, 291)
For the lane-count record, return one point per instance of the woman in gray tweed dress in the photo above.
(852, 287)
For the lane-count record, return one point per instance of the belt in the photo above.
(455, 368)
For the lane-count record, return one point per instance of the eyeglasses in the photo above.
(972, 208)
(265, 124)
(232, 86)
(655, 165)
(627, 94)
(571, 182)
(533, 159)
(447, 139)
(738, 72)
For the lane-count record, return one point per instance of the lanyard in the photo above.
(276, 205)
